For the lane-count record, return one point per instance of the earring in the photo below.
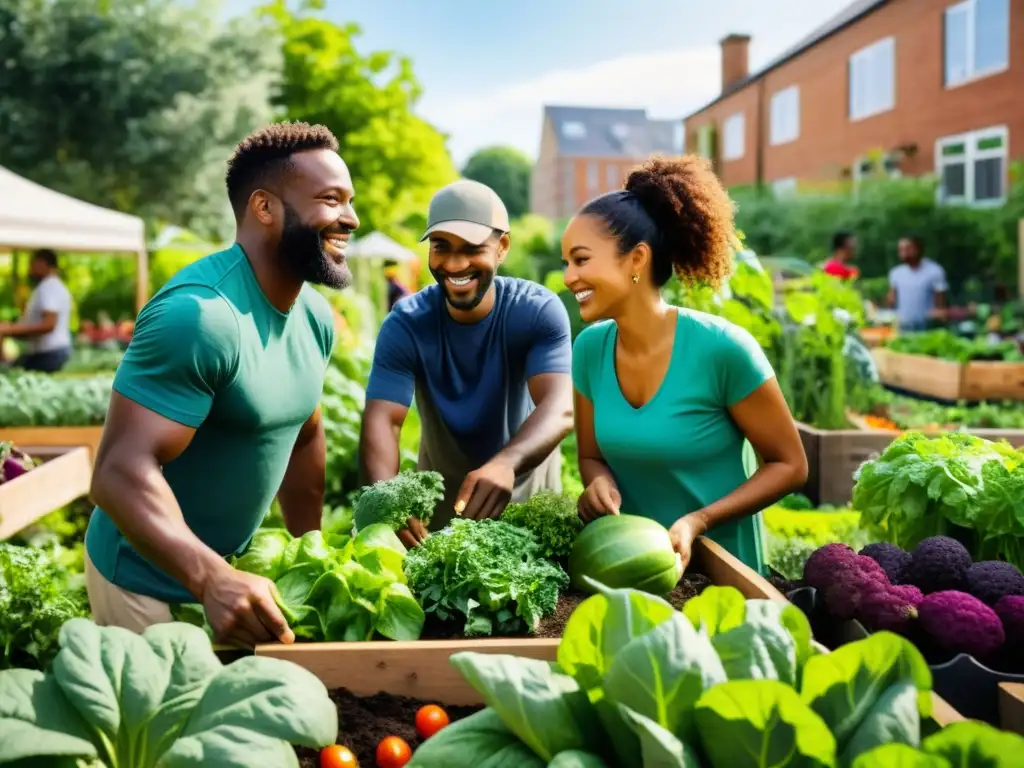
(636, 278)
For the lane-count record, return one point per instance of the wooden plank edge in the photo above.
(726, 570)
(44, 489)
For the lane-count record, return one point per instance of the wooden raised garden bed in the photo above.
(56, 482)
(948, 380)
(31, 439)
(420, 668)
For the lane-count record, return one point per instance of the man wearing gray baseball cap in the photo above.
(487, 359)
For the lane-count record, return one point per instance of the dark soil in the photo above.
(553, 625)
(365, 720)
(784, 585)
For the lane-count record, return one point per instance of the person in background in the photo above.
(487, 359)
(215, 408)
(45, 324)
(395, 289)
(666, 396)
(917, 287)
(844, 246)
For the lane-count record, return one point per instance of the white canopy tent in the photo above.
(32, 216)
(366, 255)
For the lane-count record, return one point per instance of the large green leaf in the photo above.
(545, 708)
(37, 721)
(900, 756)
(975, 744)
(659, 748)
(760, 724)
(893, 719)
(577, 759)
(662, 673)
(481, 740)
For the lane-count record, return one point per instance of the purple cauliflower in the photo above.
(894, 561)
(992, 580)
(960, 623)
(822, 563)
(1010, 610)
(13, 462)
(892, 608)
(850, 582)
(939, 564)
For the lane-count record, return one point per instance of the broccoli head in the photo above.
(991, 580)
(394, 501)
(1010, 610)
(894, 561)
(849, 583)
(939, 564)
(822, 563)
(890, 608)
(960, 623)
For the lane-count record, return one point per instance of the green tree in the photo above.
(132, 104)
(397, 159)
(505, 170)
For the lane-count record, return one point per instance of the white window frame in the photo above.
(972, 154)
(573, 129)
(785, 116)
(868, 94)
(969, 9)
(733, 136)
(784, 187)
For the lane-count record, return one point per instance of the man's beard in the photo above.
(483, 283)
(301, 251)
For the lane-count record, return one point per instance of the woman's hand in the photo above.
(683, 533)
(600, 498)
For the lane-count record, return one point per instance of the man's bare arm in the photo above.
(546, 427)
(302, 489)
(379, 454)
(16, 330)
(128, 484)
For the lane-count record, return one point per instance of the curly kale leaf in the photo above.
(487, 574)
(392, 502)
(552, 518)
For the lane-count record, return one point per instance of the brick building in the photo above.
(886, 87)
(585, 151)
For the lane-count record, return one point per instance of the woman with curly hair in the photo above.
(665, 396)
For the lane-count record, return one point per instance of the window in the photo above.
(972, 167)
(591, 175)
(568, 188)
(732, 148)
(977, 39)
(784, 187)
(612, 177)
(785, 115)
(620, 131)
(873, 79)
(573, 129)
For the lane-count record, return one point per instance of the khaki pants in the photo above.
(116, 607)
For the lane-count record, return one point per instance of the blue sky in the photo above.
(488, 68)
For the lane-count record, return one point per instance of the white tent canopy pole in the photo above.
(32, 216)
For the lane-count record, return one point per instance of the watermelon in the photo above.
(625, 552)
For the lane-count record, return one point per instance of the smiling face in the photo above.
(598, 275)
(318, 219)
(465, 270)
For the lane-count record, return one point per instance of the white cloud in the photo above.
(668, 84)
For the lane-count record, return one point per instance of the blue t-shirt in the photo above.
(474, 375)
(680, 451)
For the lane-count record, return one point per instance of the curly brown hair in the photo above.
(681, 210)
(264, 156)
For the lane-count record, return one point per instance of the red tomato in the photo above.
(430, 719)
(336, 756)
(393, 752)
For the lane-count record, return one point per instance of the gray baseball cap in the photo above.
(467, 209)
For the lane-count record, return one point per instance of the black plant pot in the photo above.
(967, 685)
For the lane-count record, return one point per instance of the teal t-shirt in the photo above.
(211, 352)
(681, 450)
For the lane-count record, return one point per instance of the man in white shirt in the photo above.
(917, 287)
(45, 324)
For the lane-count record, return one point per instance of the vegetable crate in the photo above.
(833, 456)
(949, 380)
(420, 668)
(31, 439)
(56, 482)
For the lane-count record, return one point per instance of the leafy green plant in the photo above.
(36, 598)
(29, 399)
(159, 700)
(487, 574)
(347, 589)
(393, 501)
(727, 683)
(552, 518)
(946, 345)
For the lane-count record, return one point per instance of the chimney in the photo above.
(735, 59)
